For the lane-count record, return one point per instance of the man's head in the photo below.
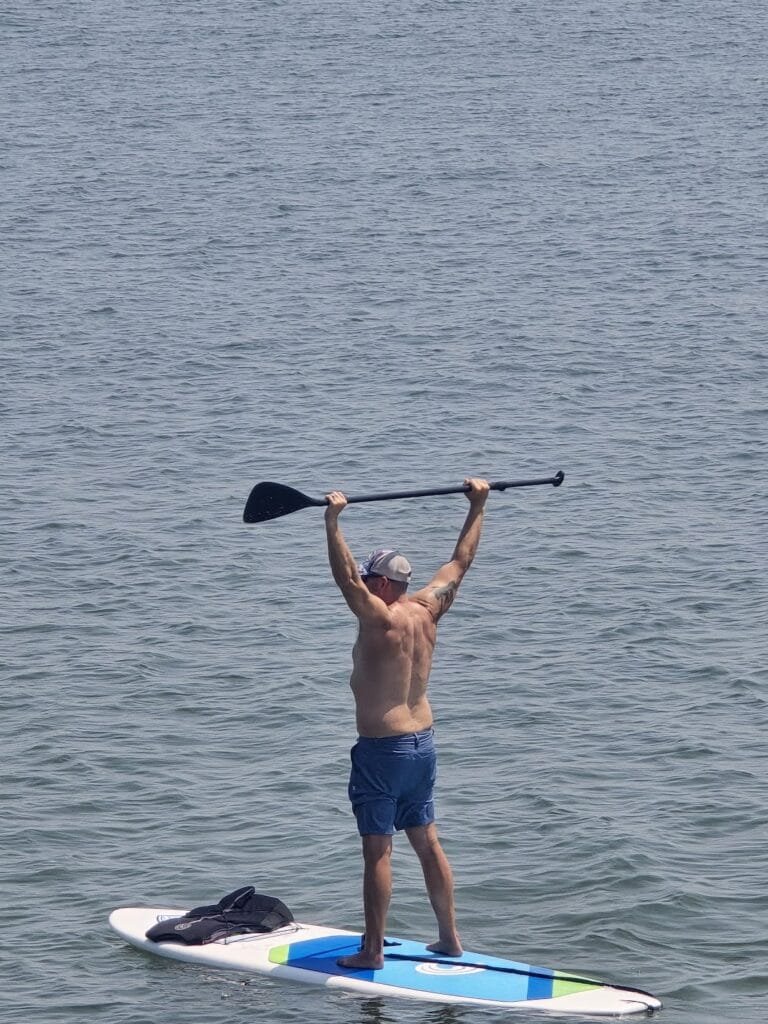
(386, 573)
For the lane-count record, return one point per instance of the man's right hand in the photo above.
(477, 495)
(336, 502)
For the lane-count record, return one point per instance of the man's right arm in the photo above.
(440, 592)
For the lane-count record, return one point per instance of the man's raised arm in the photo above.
(344, 567)
(440, 592)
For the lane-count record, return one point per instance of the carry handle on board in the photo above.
(269, 500)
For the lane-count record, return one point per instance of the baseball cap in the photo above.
(386, 562)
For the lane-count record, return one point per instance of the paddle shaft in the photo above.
(499, 485)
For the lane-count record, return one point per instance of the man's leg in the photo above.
(377, 892)
(439, 881)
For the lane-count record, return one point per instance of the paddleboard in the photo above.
(308, 953)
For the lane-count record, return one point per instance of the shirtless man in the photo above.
(393, 761)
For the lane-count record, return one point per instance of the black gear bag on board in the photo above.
(239, 913)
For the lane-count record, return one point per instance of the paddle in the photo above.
(268, 500)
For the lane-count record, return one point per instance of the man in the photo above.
(393, 761)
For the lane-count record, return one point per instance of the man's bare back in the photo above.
(390, 672)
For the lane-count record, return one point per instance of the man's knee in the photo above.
(375, 847)
(423, 838)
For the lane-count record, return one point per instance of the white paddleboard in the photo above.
(308, 953)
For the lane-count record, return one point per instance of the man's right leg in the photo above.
(377, 892)
(438, 878)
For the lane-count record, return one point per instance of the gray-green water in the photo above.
(380, 246)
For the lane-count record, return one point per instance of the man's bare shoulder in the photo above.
(437, 597)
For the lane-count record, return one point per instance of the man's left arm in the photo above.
(344, 568)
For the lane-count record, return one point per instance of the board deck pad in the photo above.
(309, 953)
(411, 965)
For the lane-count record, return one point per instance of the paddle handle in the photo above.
(499, 485)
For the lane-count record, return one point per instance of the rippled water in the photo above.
(378, 247)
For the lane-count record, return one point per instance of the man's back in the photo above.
(392, 659)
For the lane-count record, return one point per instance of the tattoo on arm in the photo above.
(445, 595)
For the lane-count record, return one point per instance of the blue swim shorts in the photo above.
(391, 782)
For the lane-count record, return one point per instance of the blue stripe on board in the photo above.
(540, 987)
(464, 976)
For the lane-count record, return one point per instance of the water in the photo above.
(379, 247)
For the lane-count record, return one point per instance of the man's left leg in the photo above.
(377, 892)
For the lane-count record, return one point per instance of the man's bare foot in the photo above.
(446, 948)
(362, 961)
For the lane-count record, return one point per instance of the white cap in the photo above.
(386, 562)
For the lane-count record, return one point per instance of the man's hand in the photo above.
(336, 502)
(477, 495)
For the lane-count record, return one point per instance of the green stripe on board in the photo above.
(562, 986)
(279, 955)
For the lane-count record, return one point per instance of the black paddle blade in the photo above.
(270, 501)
